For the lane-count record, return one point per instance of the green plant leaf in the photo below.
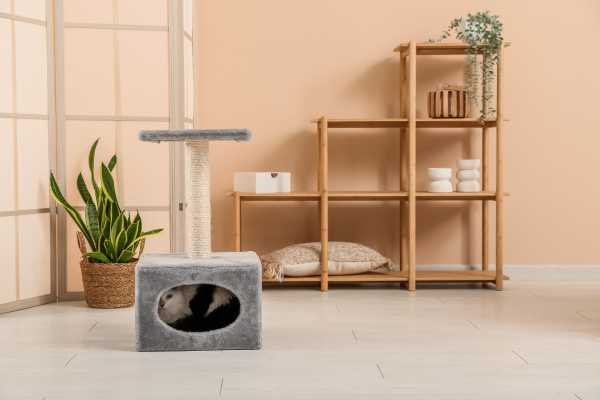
(138, 220)
(98, 256)
(115, 229)
(120, 242)
(91, 157)
(110, 250)
(112, 163)
(132, 233)
(91, 217)
(60, 199)
(108, 184)
(126, 256)
(143, 236)
(83, 190)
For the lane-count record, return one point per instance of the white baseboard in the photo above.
(27, 303)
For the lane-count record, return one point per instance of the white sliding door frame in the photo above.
(175, 119)
(20, 304)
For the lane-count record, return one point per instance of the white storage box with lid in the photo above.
(262, 182)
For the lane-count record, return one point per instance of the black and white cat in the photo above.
(198, 308)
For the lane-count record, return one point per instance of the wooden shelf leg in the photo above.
(237, 221)
(499, 178)
(403, 167)
(485, 212)
(412, 165)
(324, 203)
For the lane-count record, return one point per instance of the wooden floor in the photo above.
(535, 340)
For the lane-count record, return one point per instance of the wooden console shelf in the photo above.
(421, 276)
(407, 196)
(364, 196)
(403, 123)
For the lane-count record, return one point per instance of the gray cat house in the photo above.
(240, 273)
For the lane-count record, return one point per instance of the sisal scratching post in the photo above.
(240, 273)
(198, 225)
(198, 198)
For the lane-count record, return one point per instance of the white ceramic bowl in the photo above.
(468, 187)
(440, 186)
(468, 164)
(439, 174)
(468, 174)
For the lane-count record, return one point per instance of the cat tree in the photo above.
(240, 273)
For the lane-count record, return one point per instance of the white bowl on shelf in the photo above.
(468, 174)
(468, 187)
(468, 164)
(440, 186)
(439, 174)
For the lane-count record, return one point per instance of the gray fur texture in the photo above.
(238, 272)
(182, 135)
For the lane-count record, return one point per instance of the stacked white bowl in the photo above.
(468, 176)
(439, 180)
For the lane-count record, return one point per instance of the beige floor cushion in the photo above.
(304, 260)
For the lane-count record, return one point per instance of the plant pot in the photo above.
(107, 285)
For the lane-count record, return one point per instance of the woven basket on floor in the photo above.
(107, 285)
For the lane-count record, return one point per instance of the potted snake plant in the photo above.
(110, 239)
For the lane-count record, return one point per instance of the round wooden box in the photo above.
(448, 103)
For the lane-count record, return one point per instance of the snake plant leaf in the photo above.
(115, 229)
(126, 256)
(91, 157)
(110, 249)
(128, 220)
(59, 198)
(132, 233)
(105, 230)
(112, 163)
(91, 216)
(133, 244)
(108, 184)
(138, 220)
(120, 242)
(98, 256)
(83, 190)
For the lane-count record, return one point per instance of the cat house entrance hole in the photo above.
(198, 307)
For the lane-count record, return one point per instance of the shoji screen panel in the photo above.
(117, 78)
(188, 63)
(27, 151)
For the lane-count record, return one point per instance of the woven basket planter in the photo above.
(107, 285)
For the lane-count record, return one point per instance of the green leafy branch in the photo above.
(482, 31)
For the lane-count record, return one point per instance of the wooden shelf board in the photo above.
(425, 49)
(366, 196)
(358, 278)
(457, 276)
(422, 276)
(315, 196)
(403, 123)
(456, 196)
(291, 196)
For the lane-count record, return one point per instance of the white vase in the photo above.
(440, 180)
(468, 176)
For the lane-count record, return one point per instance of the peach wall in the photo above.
(273, 65)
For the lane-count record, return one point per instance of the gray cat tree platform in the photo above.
(240, 273)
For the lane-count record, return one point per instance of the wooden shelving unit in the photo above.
(407, 195)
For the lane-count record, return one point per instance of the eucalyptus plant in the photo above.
(111, 233)
(482, 31)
